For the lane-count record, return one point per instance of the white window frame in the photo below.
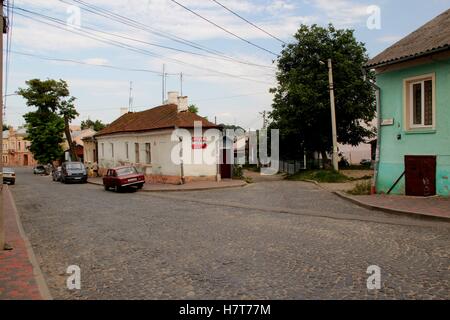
(127, 150)
(409, 100)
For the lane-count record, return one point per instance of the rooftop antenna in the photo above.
(130, 99)
(181, 83)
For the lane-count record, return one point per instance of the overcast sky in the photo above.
(209, 82)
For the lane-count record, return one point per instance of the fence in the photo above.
(292, 166)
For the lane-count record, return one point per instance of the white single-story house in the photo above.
(168, 143)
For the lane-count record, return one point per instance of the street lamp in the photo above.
(333, 114)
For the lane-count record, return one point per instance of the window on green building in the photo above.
(420, 102)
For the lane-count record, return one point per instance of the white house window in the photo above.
(148, 153)
(112, 149)
(420, 102)
(103, 149)
(127, 153)
(136, 152)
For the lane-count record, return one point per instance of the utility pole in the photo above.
(333, 116)
(2, 226)
(264, 114)
(164, 84)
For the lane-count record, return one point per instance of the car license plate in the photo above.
(132, 180)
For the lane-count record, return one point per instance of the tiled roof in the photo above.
(432, 37)
(162, 117)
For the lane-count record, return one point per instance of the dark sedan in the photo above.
(121, 177)
(73, 172)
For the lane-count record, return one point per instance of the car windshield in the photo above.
(126, 171)
(75, 166)
(8, 170)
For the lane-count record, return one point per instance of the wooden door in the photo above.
(420, 176)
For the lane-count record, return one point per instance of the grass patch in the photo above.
(361, 189)
(323, 176)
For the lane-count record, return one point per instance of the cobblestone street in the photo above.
(269, 240)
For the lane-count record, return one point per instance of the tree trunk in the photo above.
(73, 152)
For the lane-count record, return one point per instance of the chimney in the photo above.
(182, 104)
(172, 97)
(123, 111)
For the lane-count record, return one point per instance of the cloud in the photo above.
(98, 61)
(343, 13)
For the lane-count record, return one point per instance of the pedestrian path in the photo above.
(433, 207)
(20, 278)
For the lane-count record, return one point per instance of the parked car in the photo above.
(56, 174)
(121, 177)
(73, 172)
(40, 169)
(9, 176)
(366, 162)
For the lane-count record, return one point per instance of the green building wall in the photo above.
(432, 142)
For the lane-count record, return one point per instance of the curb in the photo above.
(389, 210)
(37, 272)
(244, 184)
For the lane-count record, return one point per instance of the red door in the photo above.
(420, 176)
(225, 166)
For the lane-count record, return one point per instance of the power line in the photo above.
(135, 24)
(249, 22)
(222, 28)
(123, 45)
(87, 63)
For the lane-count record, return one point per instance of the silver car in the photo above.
(9, 176)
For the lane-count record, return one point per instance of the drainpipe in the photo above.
(378, 148)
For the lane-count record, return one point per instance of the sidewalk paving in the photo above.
(191, 186)
(20, 276)
(433, 207)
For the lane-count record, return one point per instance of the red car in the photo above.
(121, 177)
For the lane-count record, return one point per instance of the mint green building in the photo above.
(413, 77)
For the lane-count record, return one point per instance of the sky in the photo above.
(228, 79)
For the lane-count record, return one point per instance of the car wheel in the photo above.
(13, 183)
(117, 189)
(140, 186)
(106, 188)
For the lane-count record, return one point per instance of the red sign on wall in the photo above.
(199, 143)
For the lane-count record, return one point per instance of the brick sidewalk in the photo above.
(17, 273)
(434, 207)
(191, 186)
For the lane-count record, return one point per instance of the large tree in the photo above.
(301, 106)
(46, 125)
(96, 125)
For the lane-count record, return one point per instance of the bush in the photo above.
(324, 176)
(362, 189)
(238, 172)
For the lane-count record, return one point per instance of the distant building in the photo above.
(77, 138)
(16, 151)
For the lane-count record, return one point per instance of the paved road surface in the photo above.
(278, 240)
